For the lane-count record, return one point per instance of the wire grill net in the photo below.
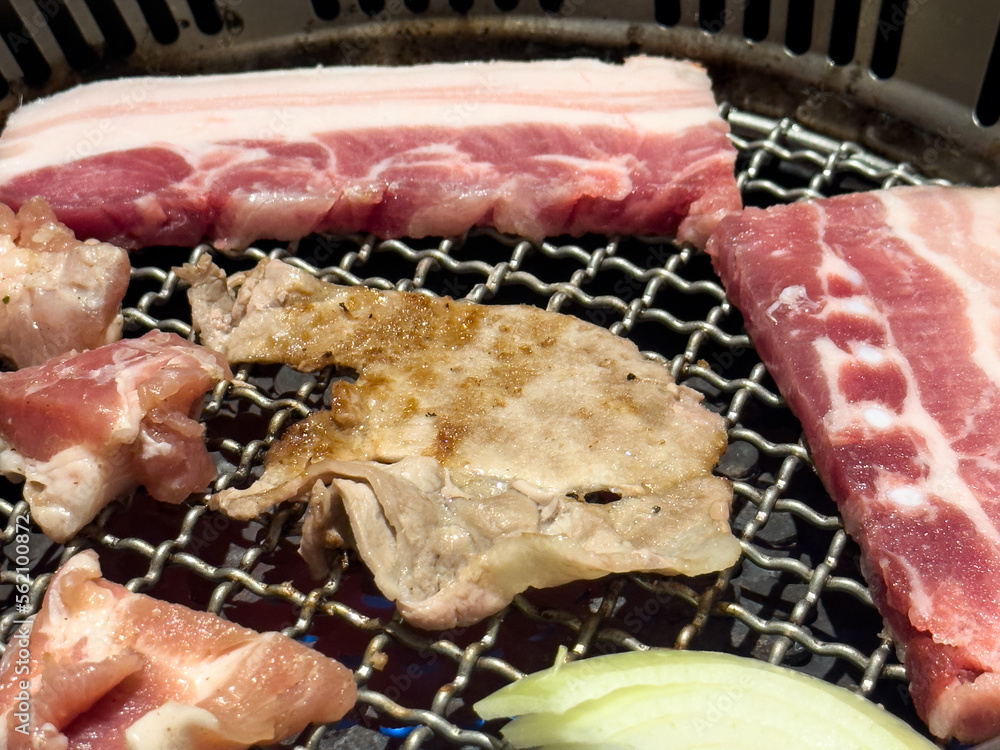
(796, 597)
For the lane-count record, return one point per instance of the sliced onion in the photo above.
(690, 699)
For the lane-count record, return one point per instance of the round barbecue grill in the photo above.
(823, 97)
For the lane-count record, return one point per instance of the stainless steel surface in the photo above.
(795, 598)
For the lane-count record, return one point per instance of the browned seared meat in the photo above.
(463, 451)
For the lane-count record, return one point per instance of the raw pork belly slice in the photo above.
(878, 315)
(58, 294)
(86, 429)
(535, 149)
(105, 668)
(464, 450)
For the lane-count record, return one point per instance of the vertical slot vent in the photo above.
(505, 6)
(371, 8)
(888, 35)
(667, 12)
(75, 48)
(712, 15)
(160, 20)
(326, 10)
(844, 31)
(206, 16)
(798, 33)
(988, 106)
(33, 65)
(118, 39)
(460, 6)
(417, 6)
(756, 19)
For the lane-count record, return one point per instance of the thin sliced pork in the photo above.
(463, 453)
(85, 429)
(57, 294)
(878, 316)
(535, 149)
(102, 668)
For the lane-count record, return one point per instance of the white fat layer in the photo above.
(870, 355)
(213, 677)
(293, 106)
(861, 307)
(878, 417)
(907, 496)
(170, 727)
(66, 491)
(903, 220)
(89, 630)
(943, 480)
(832, 266)
(150, 448)
(920, 600)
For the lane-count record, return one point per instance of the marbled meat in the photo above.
(464, 451)
(535, 149)
(57, 294)
(102, 668)
(878, 315)
(86, 429)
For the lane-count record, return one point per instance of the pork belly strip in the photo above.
(878, 316)
(464, 450)
(103, 667)
(57, 294)
(534, 149)
(85, 429)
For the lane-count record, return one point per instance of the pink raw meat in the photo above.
(57, 293)
(535, 149)
(86, 429)
(878, 315)
(102, 668)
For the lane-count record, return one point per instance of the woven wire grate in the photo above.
(795, 598)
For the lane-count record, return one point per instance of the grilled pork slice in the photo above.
(57, 294)
(85, 429)
(464, 451)
(536, 149)
(102, 667)
(878, 315)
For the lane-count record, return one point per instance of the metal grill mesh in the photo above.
(796, 596)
